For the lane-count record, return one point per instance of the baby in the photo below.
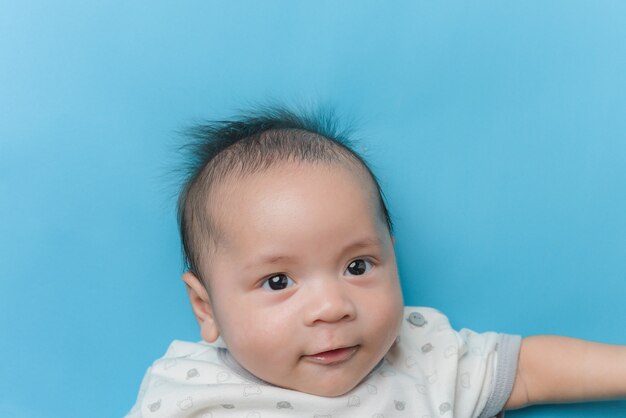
(292, 278)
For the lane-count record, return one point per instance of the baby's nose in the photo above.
(330, 303)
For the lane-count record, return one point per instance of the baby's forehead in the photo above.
(245, 189)
(304, 172)
(294, 206)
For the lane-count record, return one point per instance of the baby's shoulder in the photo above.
(424, 319)
(189, 349)
(427, 331)
(187, 360)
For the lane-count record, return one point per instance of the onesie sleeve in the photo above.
(507, 353)
(467, 373)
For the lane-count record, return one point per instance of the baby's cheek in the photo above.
(257, 347)
(390, 326)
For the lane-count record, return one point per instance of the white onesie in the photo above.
(431, 371)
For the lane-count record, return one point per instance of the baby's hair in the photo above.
(248, 144)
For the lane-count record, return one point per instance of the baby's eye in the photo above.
(278, 282)
(358, 267)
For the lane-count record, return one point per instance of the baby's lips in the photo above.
(334, 356)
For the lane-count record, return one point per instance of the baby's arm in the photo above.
(558, 369)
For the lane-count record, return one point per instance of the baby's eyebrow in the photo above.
(268, 259)
(368, 242)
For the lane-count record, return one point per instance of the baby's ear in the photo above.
(201, 305)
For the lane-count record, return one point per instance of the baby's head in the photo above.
(290, 254)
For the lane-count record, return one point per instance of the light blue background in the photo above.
(498, 129)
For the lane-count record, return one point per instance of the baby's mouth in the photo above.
(331, 357)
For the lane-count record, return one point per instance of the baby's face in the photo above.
(304, 284)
